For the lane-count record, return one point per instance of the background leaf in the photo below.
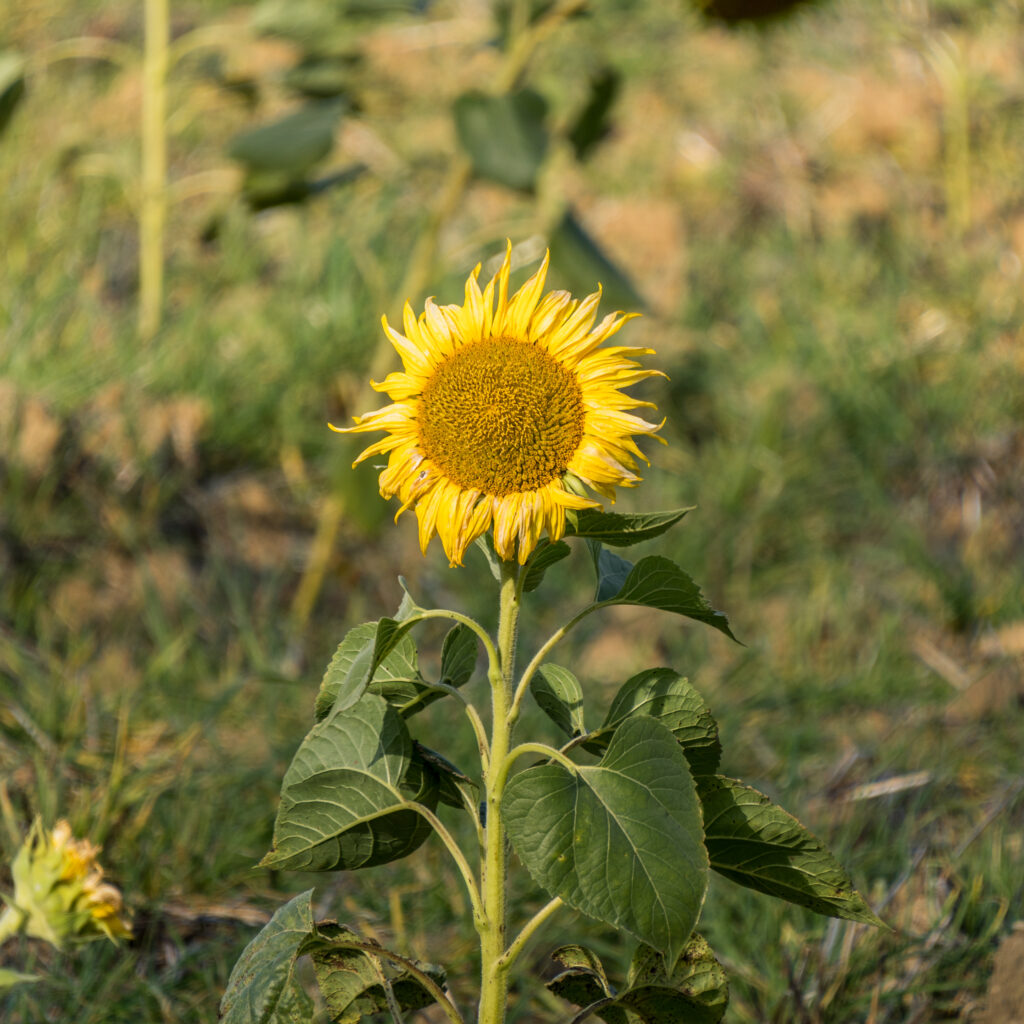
(579, 261)
(262, 988)
(504, 136)
(344, 794)
(620, 841)
(291, 145)
(757, 844)
(12, 89)
(667, 696)
(559, 695)
(657, 582)
(593, 123)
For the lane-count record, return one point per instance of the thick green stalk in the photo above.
(153, 198)
(494, 968)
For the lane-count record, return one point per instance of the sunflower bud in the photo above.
(59, 892)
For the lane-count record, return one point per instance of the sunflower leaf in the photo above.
(756, 843)
(580, 834)
(291, 145)
(694, 991)
(619, 530)
(345, 796)
(351, 982)
(663, 694)
(262, 988)
(559, 695)
(656, 582)
(397, 677)
(544, 555)
(578, 261)
(611, 569)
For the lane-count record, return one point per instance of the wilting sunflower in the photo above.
(504, 408)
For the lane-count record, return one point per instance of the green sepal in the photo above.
(663, 694)
(756, 843)
(8, 979)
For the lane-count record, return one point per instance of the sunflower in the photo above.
(505, 407)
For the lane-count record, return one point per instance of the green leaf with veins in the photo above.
(618, 529)
(756, 843)
(656, 582)
(559, 695)
(344, 800)
(262, 988)
(667, 696)
(544, 555)
(620, 841)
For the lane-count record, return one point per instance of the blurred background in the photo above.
(205, 209)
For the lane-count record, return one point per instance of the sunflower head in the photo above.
(59, 889)
(504, 408)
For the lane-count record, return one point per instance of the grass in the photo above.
(844, 406)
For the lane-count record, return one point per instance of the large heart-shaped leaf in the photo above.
(262, 988)
(756, 843)
(620, 841)
(620, 530)
(657, 582)
(667, 696)
(344, 800)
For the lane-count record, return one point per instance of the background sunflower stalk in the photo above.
(508, 411)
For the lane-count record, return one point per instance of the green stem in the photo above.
(153, 210)
(539, 657)
(457, 855)
(494, 968)
(519, 943)
(537, 748)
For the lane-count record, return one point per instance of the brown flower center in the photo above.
(501, 416)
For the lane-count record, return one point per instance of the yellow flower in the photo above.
(59, 892)
(505, 406)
